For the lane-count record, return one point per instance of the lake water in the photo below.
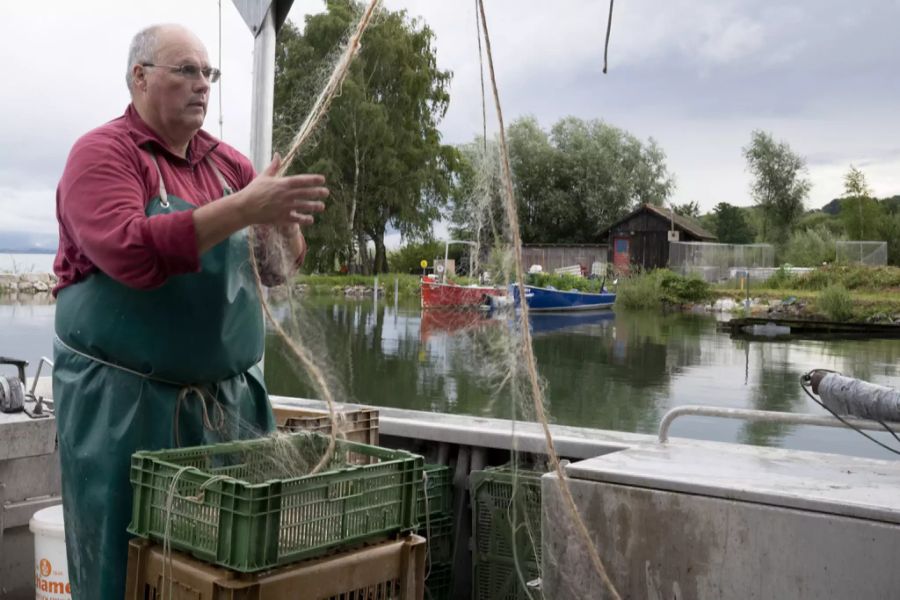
(613, 370)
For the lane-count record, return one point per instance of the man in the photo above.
(158, 320)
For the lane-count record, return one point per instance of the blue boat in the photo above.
(547, 299)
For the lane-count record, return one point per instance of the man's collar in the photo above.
(200, 145)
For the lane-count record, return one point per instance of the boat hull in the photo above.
(551, 300)
(448, 295)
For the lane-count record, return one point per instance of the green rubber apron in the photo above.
(145, 370)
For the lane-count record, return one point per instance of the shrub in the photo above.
(564, 282)
(639, 291)
(653, 289)
(835, 301)
(811, 247)
(781, 280)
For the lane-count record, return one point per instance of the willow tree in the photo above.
(779, 185)
(379, 147)
(581, 176)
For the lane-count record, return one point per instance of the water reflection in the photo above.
(609, 370)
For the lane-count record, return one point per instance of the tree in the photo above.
(379, 146)
(862, 215)
(731, 226)
(690, 209)
(577, 179)
(779, 185)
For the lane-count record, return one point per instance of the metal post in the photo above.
(263, 93)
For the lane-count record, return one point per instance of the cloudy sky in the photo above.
(696, 75)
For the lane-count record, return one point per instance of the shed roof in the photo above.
(681, 223)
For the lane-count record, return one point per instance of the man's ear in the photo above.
(138, 77)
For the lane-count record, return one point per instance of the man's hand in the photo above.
(285, 202)
(271, 200)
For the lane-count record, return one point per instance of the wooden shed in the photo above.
(642, 238)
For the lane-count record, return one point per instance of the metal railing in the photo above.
(763, 416)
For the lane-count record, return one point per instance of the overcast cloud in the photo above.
(696, 75)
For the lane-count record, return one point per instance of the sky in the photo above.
(698, 76)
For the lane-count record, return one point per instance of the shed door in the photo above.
(622, 254)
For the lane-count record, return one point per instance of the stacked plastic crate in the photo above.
(506, 531)
(238, 529)
(435, 509)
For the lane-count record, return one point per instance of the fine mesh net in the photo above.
(504, 357)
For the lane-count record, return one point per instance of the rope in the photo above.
(198, 392)
(481, 79)
(328, 93)
(184, 391)
(168, 564)
(608, 29)
(221, 117)
(530, 361)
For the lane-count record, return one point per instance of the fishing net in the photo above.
(503, 358)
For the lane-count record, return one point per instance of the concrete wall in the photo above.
(664, 545)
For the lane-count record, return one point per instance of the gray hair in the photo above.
(142, 49)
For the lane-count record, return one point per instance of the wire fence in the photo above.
(721, 262)
(873, 254)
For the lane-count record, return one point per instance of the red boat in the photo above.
(436, 294)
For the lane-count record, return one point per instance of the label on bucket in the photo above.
(51, 583)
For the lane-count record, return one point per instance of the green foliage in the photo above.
(564, 282)
(407, 285)
(574, 181)
(781, 280)
(639, 291)
(730, 224)
(380, 147)
(690, 209)
(891, 232)
(817, 218)
(779, 185)
(810, 247)
(476, 202)
(862, 215)
(677, 289)
(856, 277)
(836, 302)
(407, 259)
(661, 287)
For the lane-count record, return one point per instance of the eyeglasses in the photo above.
(191, 71)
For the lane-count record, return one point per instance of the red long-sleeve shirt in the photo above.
(100, 202)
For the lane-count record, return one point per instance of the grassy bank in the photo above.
(407, 285)
(840, 293)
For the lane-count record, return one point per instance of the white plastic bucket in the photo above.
(51, 571)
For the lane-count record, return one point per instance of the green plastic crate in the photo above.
(498, 580)
(438, 489)
(254, 520)
(439, 539)
(497, 545)
(439, 582)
